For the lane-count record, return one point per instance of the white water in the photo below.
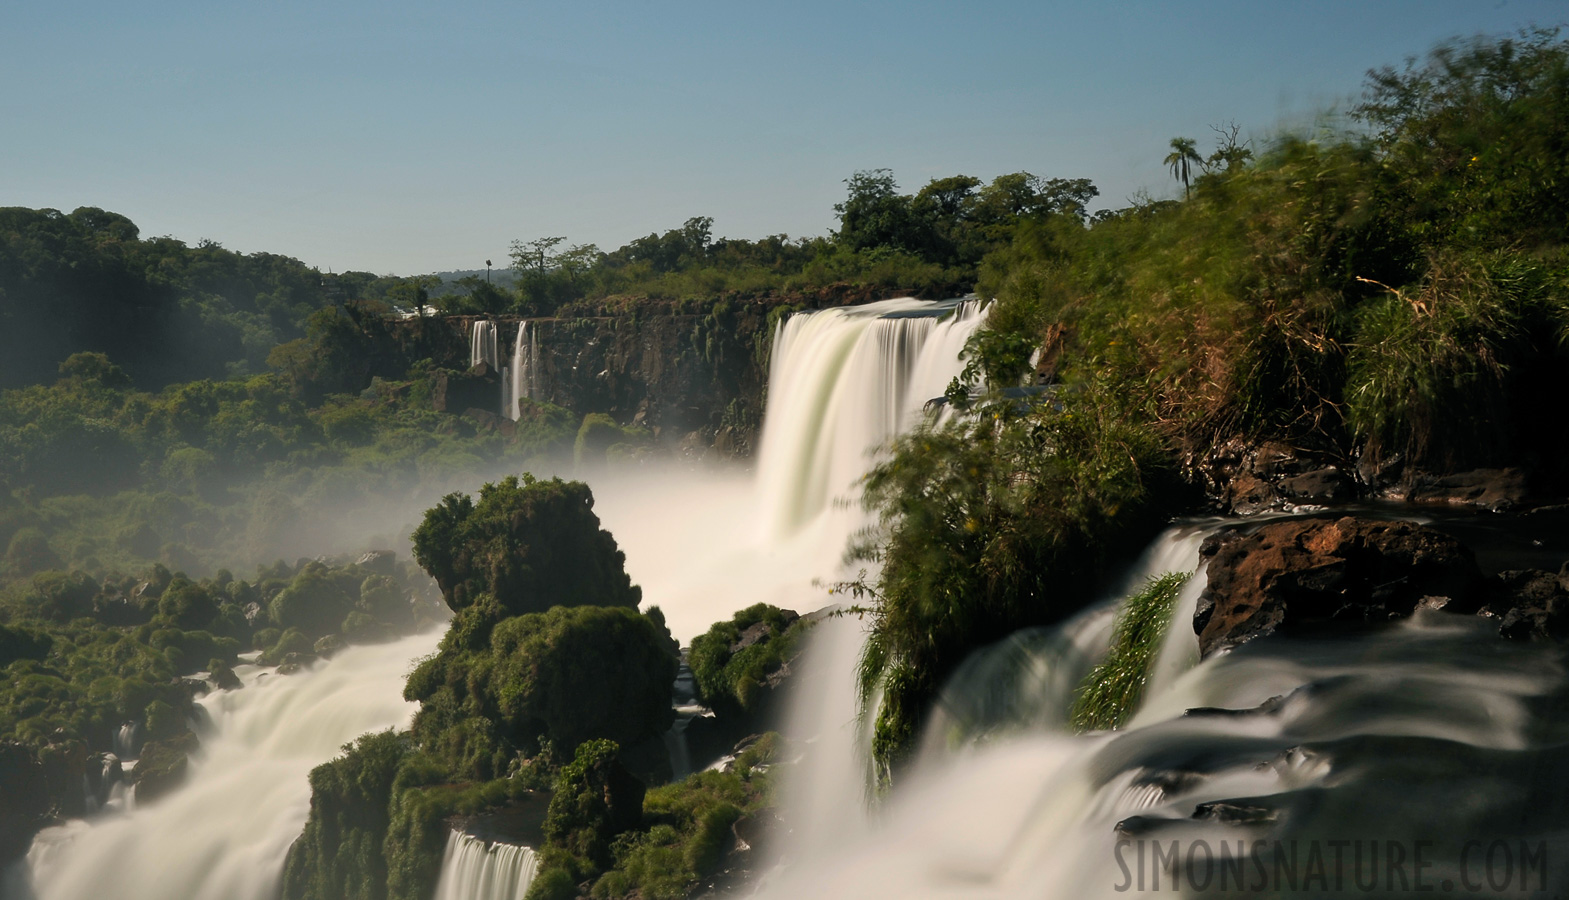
(841, 382)
(525, 382)
(224, 834)
(475, 870)
(482, 344)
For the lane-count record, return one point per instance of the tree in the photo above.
(1181, 159)
(1230, 154)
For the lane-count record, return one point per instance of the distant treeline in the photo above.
(166, 312)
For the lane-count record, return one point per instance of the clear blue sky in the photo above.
(403, 138)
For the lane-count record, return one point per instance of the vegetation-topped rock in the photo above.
(529, 544)
(503, 686)
(24, 799)
(596, 799)
(1303, 571)
(739, 666)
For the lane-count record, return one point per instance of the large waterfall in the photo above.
(841, 383)
(224, 834)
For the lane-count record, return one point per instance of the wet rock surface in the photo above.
(1311, 573)
(1296, 573)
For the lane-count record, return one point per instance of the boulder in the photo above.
(1302, 572)
(1531, 604)
(381, 562)
(162, 766)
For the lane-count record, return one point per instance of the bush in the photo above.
(552, 679)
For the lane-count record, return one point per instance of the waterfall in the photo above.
(224, 834)
(476, 870)
(525, 378)
(482, 344)
(841, 383)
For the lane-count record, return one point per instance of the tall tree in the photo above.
(1183, 156)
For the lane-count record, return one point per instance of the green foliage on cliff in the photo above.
(1389, 287)
(595, 799)
(339, 856)
(1396, 291)
(1111, 692)
(1001, 520)
(529, 544)
(501, 688)
(682, 833)
(729, 680)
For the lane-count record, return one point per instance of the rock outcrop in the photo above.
(1293, 574)
(1302, 574)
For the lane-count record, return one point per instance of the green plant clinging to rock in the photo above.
(1112, 691)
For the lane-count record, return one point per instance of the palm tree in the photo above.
(1183, 154)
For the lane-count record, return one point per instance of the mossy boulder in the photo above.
(553, 679)
(529, 544)
(596, 799)
(162, 766)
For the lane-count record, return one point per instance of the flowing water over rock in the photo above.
(475, 870)
(224, 834)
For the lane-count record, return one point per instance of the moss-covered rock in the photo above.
(499, 688)
(529, 544)
(596, 799)
(736, 664)
(162, 766)
(339, 855)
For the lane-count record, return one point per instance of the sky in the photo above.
(405, 138)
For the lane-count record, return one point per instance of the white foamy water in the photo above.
(475, 870)
(225, 833)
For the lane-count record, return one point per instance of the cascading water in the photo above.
(526, 383)
(224, 834)
(476, 870)
(483, 344)
(841, 383)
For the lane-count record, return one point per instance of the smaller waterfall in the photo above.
(476, 870)
(482, 344)
(524, 374)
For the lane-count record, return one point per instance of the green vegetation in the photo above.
(529, 545)
(1112, 691)
(1386, 295)
(732, 660)
(83, 656)
(503, 689)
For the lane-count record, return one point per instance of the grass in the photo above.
(1111, 692)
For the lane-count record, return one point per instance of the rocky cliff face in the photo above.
(696, 380)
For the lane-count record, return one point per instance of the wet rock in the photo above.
(1304, 571)
(1328, 484)
(1531, 605)
(1235, 812)
(327, 645)
(1495, 489)
(65, 772)
(162, 766)
(224, 679)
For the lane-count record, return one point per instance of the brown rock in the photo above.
(1304, 571)
(1495, 489)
